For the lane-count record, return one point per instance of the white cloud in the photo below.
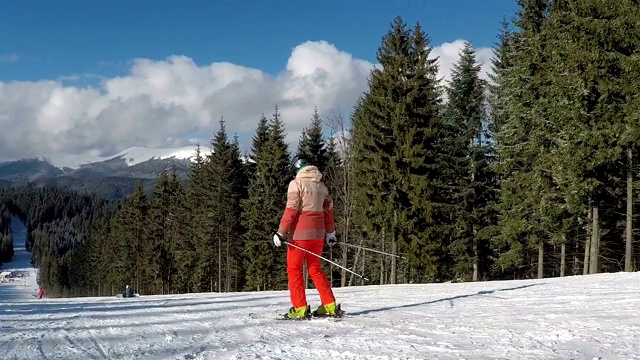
(9, 58)
(164, 103)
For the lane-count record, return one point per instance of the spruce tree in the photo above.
(101, 257)
(522, 144)
(130, 232)
(165, 207)
(235, 244)
(193, 229)
(265, 265)
(628, 14)
(501, 61)
(312, 145)
(6, 247)
(473, 184)
(262, 136)
(595, 111)
(195, 249)
(226, 182)
(395, 127)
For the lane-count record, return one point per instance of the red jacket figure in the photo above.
(40, 293)
(308, 221)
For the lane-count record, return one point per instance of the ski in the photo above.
(315, 318)
(340, 315)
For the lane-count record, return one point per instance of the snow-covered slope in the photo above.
(586, 317)
(132, 156)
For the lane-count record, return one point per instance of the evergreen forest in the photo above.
(529, 173)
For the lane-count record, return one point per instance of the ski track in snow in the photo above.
(583, 317)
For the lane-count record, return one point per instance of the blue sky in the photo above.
(91, 78)
(65, 37)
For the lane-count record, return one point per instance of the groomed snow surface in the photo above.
(583, 317)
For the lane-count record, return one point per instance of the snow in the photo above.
(132, 156)
(73, 161)
(136, 155)
(582, 317)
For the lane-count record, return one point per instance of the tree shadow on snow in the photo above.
(450, 299)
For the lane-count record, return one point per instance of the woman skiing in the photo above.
(307, 222)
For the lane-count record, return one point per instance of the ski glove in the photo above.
(277, 239)
(331, 239)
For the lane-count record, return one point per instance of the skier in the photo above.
(41, 293)
(308, 222)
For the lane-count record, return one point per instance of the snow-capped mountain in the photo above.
(132, 156)
(112, 176)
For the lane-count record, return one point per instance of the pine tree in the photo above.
(333, 169)
(193, 231)
(595, 111)
(6, 236)
(628, 14)
(101, 252)
(264, 265)
(165, 207)
(501, 61)
(225, 174)
(395, 126)
(260, 138)
(195, 250)
(521, 143)
(235, 243)
(473, 186)
(312, 145)
(6, 247)
(130, 232)
(497, 100)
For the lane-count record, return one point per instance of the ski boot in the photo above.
(301, 313)
(329, 310)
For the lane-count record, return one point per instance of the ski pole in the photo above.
(325, 259)
(373, 250)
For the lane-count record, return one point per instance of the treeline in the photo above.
(6, 236)
(530, 173)
(205, 234)
(566, 101)
(210, 233)
(58, 223)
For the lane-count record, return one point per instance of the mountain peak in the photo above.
(132, 156)
(137, 154)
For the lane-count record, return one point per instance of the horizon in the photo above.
(87, 80)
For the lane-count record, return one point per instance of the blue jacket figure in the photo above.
(128, 292)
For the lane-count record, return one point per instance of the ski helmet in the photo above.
(297, 164)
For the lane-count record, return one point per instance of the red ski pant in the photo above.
(295, 259)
